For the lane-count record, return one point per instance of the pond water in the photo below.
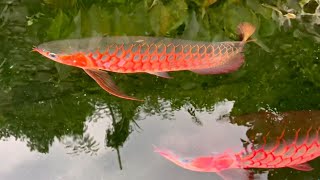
(57, 123)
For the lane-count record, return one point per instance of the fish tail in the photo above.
(246, 30)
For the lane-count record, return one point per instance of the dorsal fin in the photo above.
(302, 167)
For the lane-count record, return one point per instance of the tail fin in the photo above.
(246, 29)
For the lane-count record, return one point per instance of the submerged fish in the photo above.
(151, 55)
(294, 154)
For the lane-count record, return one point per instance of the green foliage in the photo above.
(60, 3)
(61, 26)
(167, 17)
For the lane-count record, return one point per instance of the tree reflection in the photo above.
(78, 145)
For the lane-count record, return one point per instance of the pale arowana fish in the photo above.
(151, 55)
(283, 153)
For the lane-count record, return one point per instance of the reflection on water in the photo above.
(93, 158)
(56, 123)
(136, 153)
(288, 144)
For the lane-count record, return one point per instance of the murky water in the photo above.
(57, 123)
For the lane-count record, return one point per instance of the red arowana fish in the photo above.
(146, 54)
(295, 155)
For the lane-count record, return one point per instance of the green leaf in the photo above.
(60, 27)
(204, 3)
(29, 22)
(259, 9)
(100, 19)
(117, 1)
(267, 27)
(164, 18)
(61, 3)
(192, 27)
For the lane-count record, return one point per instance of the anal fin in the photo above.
(161, 74)
(302, 167)
(106, 83)
(232, 64)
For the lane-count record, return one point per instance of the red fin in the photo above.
(302, 167)
(161, 74)
(231, 65)
(106, 83)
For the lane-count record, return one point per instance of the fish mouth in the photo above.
(39, 50)
(44, 53)
(35, 49)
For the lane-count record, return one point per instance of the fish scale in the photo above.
(130, 58)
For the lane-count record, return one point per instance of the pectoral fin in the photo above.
(232, 64)
(161, 74)
(106, 83)
(302, 167)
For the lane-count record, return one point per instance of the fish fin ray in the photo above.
(302, 167)
(233, 64)
(105, 82)
(161, 74)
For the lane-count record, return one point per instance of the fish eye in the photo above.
(53, 55)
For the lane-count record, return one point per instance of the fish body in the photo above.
(145, 54)
(151, 55)
(282, 154)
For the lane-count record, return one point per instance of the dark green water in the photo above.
(57, 123)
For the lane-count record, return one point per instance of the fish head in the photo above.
(200, 164)
(47, 54)
(169, 155)
(72, 52)
(73, 59)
